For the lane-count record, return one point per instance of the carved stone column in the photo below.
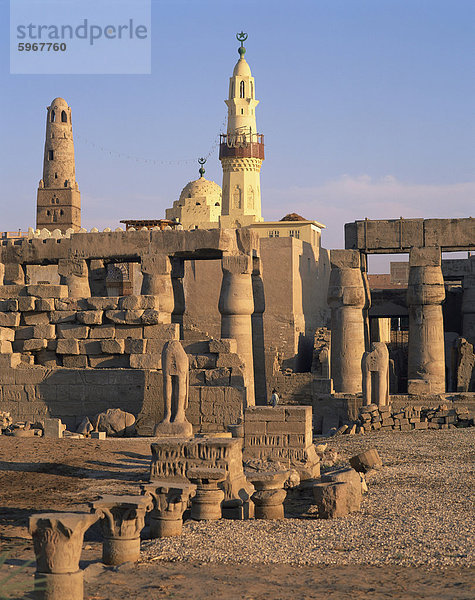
(206, 504)
(468, 304)
(170, 500)
(347, 298)
(269, 495)
(177, 274)
(57, 540)
(257, 321)
(122, 520)
(157, 281)
(74, 273)
(236, 305)
(425, 293)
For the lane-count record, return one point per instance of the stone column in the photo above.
(269, 495)
(57, 540)
(468, 304)
(74, 273)
(347, 298)
(257, 321)
(236, 306)
(170, 500)
(122, 520)
(206, 504)
(425, 293)
(177, 274)
(157, 281)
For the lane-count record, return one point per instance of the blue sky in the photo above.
(366, 107)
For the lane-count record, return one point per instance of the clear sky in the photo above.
(367, 107)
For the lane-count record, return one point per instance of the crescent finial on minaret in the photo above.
(202, 161)
(241, 37)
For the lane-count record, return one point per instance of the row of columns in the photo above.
(349, 300)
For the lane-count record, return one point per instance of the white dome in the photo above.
(200, 187)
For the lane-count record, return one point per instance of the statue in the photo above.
(175, 367)
(375, 368)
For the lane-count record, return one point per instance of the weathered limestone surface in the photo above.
(57, 540)
(333, 499)
(172, 459)
(365, 461)
(170, 500)
(347, 297)
(425, 293)
(122, 520)
(269, 495)
(284, 434)
(206, 503)
(175, 366)
(236, 305)
(375, 368)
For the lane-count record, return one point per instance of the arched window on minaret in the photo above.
(53, 116)
(252, 90)
(237, 197)
(64, 117)
(242, 90)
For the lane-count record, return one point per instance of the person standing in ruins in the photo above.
(274, 399)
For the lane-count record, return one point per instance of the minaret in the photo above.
(59, 200)
(241, 149)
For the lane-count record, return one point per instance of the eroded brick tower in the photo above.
(59, 200)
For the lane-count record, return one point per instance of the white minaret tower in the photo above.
(241, 150)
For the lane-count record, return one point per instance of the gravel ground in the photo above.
(418, 512)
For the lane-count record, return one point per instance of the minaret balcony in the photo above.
(238, 145)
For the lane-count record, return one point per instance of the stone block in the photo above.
(354, 481)
(9, 319)
(129, 331)
(33, 345)
(79, 332)
(345, 259)
(5, 347)
(98, 435)
(215, 377)
(45, 304)
(418, 387)
(150, 316)
(10, 305)
(44, 331)
(286, 427)
(146, 361)
(229, 360)
(254, 427)
(124, 317)
(421, 425)
(102, 332)
(111, 361)
(202, 361)
(332, 499)
(63, 316)
(101, 303)
(166, 331)
(132, 346)
(6, 334)
(26, 304)
(112, 346)
(67, 346)
(143, 302)
(24, 333)
(75, 362)
(90, 317)
(48, 359)
(27, 376)
(299, 413)
(53, 428)
(46, 290)
(155, 346)
(35, 318)
(366, 461)
(265, 413)
(90, 347)
(223, 346)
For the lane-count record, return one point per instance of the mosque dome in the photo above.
(201, 187)
(242, 69)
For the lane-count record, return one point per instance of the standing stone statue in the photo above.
(175, 367)
(375, 367)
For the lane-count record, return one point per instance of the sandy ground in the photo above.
(426, 474)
